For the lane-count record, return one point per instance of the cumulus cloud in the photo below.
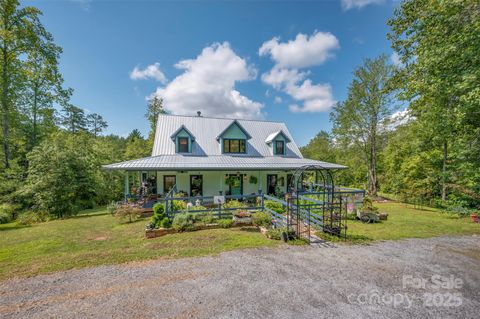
(358, 4)
(277, 100)
(286, 76)
(302, 52)
(278, 77)
(208, 85)
(150, 72)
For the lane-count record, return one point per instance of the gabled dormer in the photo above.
(278, 143)
(233, 139)
(183, 140)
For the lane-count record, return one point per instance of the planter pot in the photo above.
(242, 220)
(383, 216)
(474, 218)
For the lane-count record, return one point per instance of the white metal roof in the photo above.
(206, 130)
(206, 151)
(215, 162)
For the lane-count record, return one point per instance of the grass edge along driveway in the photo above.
(98, 239)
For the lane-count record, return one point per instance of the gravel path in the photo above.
(284, 282)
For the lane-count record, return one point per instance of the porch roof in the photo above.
(220, 162)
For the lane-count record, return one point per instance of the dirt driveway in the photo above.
(416, 278)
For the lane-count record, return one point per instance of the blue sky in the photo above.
(285, 61)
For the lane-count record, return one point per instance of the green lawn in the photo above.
(406, 222)
(98, 239)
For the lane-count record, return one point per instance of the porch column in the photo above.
(127, 186)
(259, 182)
(220, 186)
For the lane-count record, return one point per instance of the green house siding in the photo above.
(234, 132)
(183, 133)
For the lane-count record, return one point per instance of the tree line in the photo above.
(52, 150)
(432, 153)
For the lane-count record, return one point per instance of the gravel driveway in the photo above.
(388, 279)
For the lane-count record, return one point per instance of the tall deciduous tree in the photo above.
(362, 117)
(42, 87)
(20, 29)
(96, 124)
(438, 42)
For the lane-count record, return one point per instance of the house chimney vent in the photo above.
(199, 113)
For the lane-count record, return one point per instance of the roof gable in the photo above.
(275, 135)
(234, 129)
(182, 130)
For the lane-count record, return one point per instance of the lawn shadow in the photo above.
(17, 226)
(250, 229)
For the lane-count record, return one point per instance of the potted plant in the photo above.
(230, 180)
(242, 217)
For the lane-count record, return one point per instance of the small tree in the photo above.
(96, 124)
(154, 109)
(73, 119)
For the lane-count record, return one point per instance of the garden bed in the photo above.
(159, 232)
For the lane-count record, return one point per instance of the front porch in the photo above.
(153, 185)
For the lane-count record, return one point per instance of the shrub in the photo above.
(208, 219)
(262, 219)
(29, 218)
(179, 206)
(457, 210)
(9, 209)
(5, 218)
(275, 206)
(112, 208)
(127, 213)
(225, 223)
(274, 233)
(368, 205)
(160, 218)
(234, 204)
(183, 221)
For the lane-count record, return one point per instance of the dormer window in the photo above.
(183, 140)
(279, 147)
(233, 139)
(278, 143)
(183, 144)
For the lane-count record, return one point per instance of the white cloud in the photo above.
(351, 4)
(150, 72)
(395, 58)
(277, 100)
(208, 85)
(293, 55)
(278, 77)
(315, 97)
(302, 52)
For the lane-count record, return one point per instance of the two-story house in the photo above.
(206, 156)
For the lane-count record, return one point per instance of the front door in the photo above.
(236, 185)
(196, 185)
(271, 184)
